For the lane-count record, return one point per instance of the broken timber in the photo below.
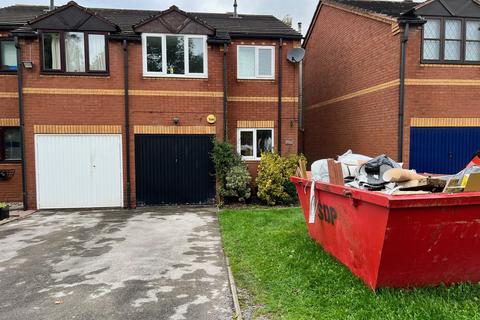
(427, 184)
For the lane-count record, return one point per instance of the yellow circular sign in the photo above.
(211, 119)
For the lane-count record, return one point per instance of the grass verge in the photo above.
(289, 277)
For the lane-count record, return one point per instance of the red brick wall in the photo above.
(59, 109)
(347, 53)
(439, 101)
(261, 88)
(11, 189)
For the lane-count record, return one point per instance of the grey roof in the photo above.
(390, 8)
(247, 25)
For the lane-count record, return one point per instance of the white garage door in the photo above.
(79, 171)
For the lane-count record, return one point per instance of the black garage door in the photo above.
(174, 169)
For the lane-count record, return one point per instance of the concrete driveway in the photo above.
(155, 263)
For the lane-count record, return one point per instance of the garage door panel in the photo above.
(174, 169)
(444, 150)
(79, 171)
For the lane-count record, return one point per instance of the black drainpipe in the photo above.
(22, 126)
(127, 121)
(280, 74)
(225, 93)
(401, 99)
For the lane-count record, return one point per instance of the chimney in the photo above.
(52, 5)
(299, 27)
(235, 5)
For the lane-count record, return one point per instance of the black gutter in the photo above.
(213, 40)
(218, 41)
(129, 37)
(10, 27)
(22, 123)
(225, 93)
(127, 122)
(401, 98)
(25, 34)
(265, 36)
(280, 80)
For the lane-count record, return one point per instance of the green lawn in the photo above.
(288, 276)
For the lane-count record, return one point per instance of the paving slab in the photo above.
(150, 263)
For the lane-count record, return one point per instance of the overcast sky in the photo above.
(300, 10)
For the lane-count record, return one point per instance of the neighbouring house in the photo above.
(113, 107)
(401, 78)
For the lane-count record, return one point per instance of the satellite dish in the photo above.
(296, 55)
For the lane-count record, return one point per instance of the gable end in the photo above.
(174, 21)
(74, 18)
(450, 8)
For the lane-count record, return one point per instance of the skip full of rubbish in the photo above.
(383, 174)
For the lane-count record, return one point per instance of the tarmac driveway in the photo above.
(155, 263)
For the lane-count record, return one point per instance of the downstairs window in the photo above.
(10, 144)
(252, 142)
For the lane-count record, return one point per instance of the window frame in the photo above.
(63, 63)
(463, 42)
(164, 73)
(254, 130)
(3, 147)
(466, 40)
(8, 39)
(462, 39)
(257, 75)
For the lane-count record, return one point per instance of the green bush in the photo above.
(231, 172)
(273, 179)
(237, 184)
(224, 158)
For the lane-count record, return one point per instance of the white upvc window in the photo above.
(174, 55)
(255, 62)
(252, 142)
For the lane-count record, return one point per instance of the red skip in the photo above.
(397, 241)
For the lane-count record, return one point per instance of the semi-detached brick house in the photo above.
(357, 97)
(119, 107)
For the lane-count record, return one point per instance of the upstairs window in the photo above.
(472, 41)
(8, 56)
(74, 52)
(174, 55)
(10, 144)
(451, 40)
(255, 62)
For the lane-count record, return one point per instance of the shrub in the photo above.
(237, 184)
(224, 158)
(231, 172)
(273, 180)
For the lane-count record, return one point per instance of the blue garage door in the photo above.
(443, 150)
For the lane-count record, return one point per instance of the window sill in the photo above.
(75, 74)
(448, 65)
(255, 79)
(8, 73)
(251, 159)
(176, 77)
(10, 162)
